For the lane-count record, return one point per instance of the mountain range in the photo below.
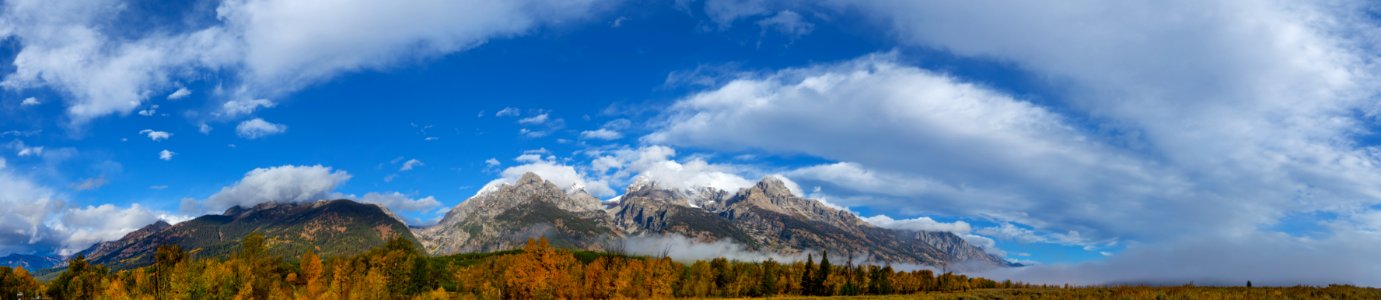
(764, 218)
(31, 262)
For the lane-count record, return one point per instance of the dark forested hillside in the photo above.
(330, 228)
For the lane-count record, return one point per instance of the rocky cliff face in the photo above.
(330, 228)
(765, 217)
(504, 216)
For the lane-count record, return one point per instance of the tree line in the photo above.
(400, 270)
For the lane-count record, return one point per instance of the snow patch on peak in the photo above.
(492, 186)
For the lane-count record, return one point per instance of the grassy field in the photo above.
(1178, 292)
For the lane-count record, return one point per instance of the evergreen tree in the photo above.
(767, 285)
(820, 285)
(807, 278)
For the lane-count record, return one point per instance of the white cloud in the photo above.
(24, 206)
(204, 128)
(655, 163)
(492, 162)
(559, 174)
(919, 224)
(156, 135)
(508, 112)
(365, 34)
(269, 47)
(91, 224)
(33, 219)
(66, 47)
(234, 108)
(31, 101)
(282, 184)
(931, 136)
(408, 165)
(528, 158)
(533, 133)
(258, 128)
(1163, 120)
(399, 202)
(601, 134)
(534, 120)
(153, 109)
(968, 135)
(166, 155)
(180, 93)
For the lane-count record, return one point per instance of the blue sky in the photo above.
(1083, 138)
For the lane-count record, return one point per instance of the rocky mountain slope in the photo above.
(505, 216)
(765, 217)
(330, 228)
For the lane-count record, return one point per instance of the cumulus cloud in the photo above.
(534, 120)
(180, 93)
(31, 101)
(269, 47)
(508, 112)
(399, 202)
(528, 158)
(282, 184)
(610, 131)
(113, 75)
(533, 133)
(166, 155)
(156, 135)
(492, 162)
(92, 224)
(149, 112)
(919, 224)
(561, 175)
(601, 134)
(33, 218)
(24, 206)
(656, 164)
(242, 107)
(258, 128)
